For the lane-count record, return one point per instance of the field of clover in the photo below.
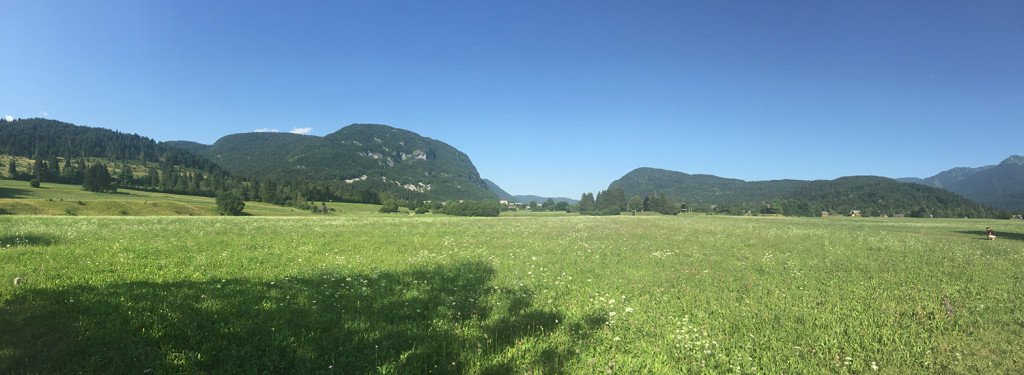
(567, 294)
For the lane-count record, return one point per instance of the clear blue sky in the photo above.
(552, 98)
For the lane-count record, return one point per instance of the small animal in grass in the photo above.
(991, 234)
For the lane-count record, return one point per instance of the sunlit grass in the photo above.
(17, 198)
(549, 294)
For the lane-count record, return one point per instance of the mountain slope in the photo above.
(999, 186)
(39, 137)
(501, 193)
(376, 157)
(701, 188)
(875, 196)
(871, 195)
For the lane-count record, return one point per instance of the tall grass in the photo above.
(557, 294)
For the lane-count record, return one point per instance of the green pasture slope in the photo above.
(560, 294)
(17, 198)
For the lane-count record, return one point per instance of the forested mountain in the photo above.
(193, 147)
(366, 156)
(497, 190)
(701, 189)
(1000, 186)
(54, 151)
(40, 138)
(872, 196)
(875, 196)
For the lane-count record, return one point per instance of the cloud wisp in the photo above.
(265, 130)
(301, 130)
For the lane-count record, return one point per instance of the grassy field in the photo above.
(556, 294)
(17, 198)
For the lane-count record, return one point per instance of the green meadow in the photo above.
(404, 294)
(17, 198)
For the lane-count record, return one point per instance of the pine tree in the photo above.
(97, 179)
(586, 202)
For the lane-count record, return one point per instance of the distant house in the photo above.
(824, 213)
(1018, 217)
(855, 213)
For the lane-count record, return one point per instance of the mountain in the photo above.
(43, 138)
(701, 188)
(540, 199)
(874, 196)
(367, 156)
(55, 151)
(193, 147)
(871, 195)
(503, 195)
(999, 186)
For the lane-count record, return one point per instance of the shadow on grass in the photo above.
(11, 240)
(982, 235)
(8, 193)
(416, 321)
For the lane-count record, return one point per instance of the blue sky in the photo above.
(552, 98)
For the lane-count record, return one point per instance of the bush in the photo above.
(389, 206)
(422, 210)
(34, 183)
(473, 208)
(230, 204)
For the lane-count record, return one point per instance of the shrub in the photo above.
(230, 204)
(473, 208)
(389, 206)
(34, 183)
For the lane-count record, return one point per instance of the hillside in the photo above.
(17, 198)
(999, 186)
(497, 190)
(873, 196)
(701, 189)
(364, 156)
(876, 196)
(58, 152)
(45, 138)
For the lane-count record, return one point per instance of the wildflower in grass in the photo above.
(874, 366)
(612, 313)
(629, 309)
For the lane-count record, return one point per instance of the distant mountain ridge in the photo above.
(370, 156)
(701, 188)
(999, 186)
(503, 195)
(869, 195)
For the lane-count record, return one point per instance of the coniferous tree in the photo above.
(586, 202)
(97, 179)
(230, 204)
(636, 203)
